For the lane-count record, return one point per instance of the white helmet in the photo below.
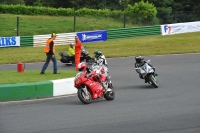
(71, 44)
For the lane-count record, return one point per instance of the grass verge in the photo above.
(154, 45)
(12, 77)
(39, 25)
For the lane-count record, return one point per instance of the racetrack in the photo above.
(174, 107)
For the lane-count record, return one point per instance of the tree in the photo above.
(187, 10)
(14, 2)
(97, 4)
(164, 8)
(124, 4)
(142, 11)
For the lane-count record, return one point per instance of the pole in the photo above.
(124, 20)
(17, 25)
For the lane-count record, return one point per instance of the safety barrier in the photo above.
(63, 38)
(24, 91)
(26, 41)
(91, 36)
(134, 32)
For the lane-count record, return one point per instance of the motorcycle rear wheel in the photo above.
(84, 98)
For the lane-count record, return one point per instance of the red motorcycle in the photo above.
(90, 88)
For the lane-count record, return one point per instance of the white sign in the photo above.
(178, 28)
(9, 41)
(91, 37)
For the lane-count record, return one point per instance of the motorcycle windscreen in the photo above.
(145, 69)
(84, 51)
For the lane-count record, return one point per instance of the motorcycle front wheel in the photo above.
(84, 96)
(153, 81)
(110, 95)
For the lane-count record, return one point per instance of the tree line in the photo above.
(166, 10)
(161, 5)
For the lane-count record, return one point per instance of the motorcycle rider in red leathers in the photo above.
(82, 67)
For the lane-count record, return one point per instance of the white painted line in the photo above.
(34, 100)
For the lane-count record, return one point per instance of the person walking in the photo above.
(50, 54)
(78, 46)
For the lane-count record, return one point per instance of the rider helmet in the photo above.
(71, 45)
(82, 66)
(97, 53)
(138, 58)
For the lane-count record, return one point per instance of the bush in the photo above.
(38, 10)
(139, 13)
(142, 12)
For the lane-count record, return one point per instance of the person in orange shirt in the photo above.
(78, 46)
(49, 49)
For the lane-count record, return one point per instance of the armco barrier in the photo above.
(24, 91)
(66, 38)
(26, 41)
(134, 32)
(63, 38)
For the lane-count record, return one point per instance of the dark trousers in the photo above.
(49, 57)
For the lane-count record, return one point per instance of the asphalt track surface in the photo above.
(174, 107)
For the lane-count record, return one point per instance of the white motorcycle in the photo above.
(100, 70)
(105, 68)
(148, 73)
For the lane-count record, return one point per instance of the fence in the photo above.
(178, 17)
(22, 25)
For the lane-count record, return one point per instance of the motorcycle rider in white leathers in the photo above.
(139, 62)
(100, 60)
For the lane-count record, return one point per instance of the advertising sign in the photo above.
(180, 28)
(9, 41)
(92, 36)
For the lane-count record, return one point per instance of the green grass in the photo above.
(12, 77)
(39, 25)
(154, 45)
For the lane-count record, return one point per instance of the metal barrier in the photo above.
(63, 38)
(26, 41)
(134, 32)
(66, 38)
